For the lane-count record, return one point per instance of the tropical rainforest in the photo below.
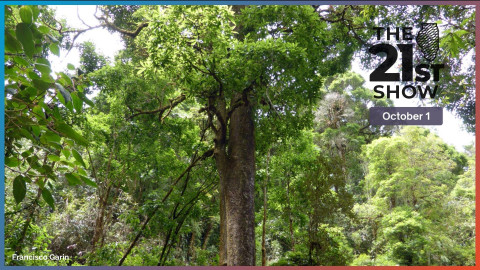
(231, 135)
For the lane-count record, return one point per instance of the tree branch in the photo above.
(193, 163)
(173, 103)
(112, 26)
(242, 101)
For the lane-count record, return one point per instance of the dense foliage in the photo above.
(136, 175)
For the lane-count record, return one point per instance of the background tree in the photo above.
(402, 170)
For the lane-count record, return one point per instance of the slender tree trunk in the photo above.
(208, 232)
(221, 159)
(100, 220)
(267, 178)
(264, 249)
(165, 246)
(19, 245)
(290, 219)
(223, 223)
(191, 247)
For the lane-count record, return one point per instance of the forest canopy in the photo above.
(230, 135)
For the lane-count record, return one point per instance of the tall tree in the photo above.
(241, 64)
(409, 181)
(209, 107)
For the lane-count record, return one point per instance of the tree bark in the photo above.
(191, 247)
(237, 177)
(220, 154)
(100, 220)
(239, 188)
(208, 232)
(290, 219)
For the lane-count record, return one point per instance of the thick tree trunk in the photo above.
(235, 160)
(239, 188)
(237, 177)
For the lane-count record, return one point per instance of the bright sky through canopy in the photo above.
(108, 44)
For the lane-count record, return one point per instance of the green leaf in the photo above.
(81, 172)
(26, 14)
(66, 153)
(458, 40)
(53, 157)
(48, 169)
(65, 78)
(37, 35)
(12, 161)
(55, 145)
(43, 29)
(51, 137)
(40, 182)
(84, 98)
(461, 32)
(40, 84)
(88, 181)
(35, 11)
(44, 69)
(19, 188)
(78, 157)
(26, 153)
(70, 133)
(70, 66)
(47, 196)
(77, 102)
(33, 75)
(54, 49)
(26, 133)
(11, 43)
(32, 92)
(56, 112)
(38, 112)
(25, 36)
(69, 106)
(20, 60)
(72, 179)
(36, 130)
(65, 94)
